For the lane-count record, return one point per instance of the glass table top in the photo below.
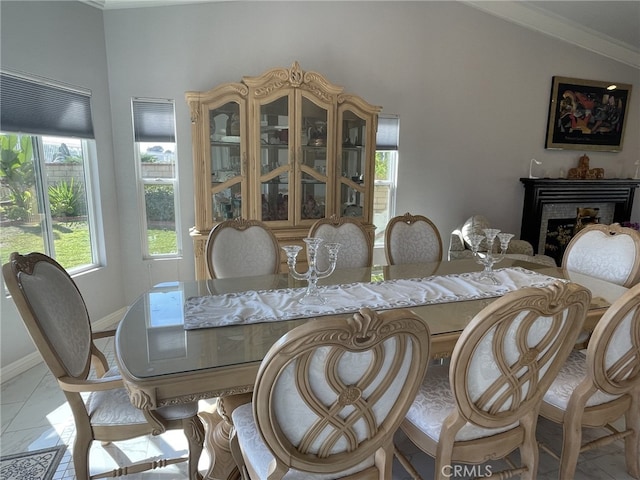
(151, 340)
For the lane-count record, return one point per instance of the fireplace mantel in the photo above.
(541, 191)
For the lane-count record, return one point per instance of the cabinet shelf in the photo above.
(283, 146)
(314, 147)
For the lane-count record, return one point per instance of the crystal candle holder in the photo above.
(489, 258)
(312, 295)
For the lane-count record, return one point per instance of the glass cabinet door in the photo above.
(352, 164)
(226, 161)
(275, 169)
(314, 160)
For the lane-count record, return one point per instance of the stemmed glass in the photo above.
(488, 259)
(312, 275)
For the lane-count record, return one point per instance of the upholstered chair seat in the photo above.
(435, 401)
(113, 407)
(572, 374)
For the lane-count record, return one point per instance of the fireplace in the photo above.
(560, 222)
(550, 208)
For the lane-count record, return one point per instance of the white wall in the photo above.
(65, 41)
(472, 92)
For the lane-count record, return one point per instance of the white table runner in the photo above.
(274, 305)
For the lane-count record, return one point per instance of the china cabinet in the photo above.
(287, 148)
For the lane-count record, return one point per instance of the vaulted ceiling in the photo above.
(610, 28)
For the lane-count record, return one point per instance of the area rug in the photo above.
(35, 465)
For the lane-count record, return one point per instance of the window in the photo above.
(386, 165)
(46, 143)
(155, 153)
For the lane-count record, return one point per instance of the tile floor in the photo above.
(35, 415)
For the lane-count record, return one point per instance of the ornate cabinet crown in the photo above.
(287, 148)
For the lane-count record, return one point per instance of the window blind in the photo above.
(388, 132)
(153, 120)
(38, 106)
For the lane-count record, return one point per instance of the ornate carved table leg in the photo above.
(218, 427)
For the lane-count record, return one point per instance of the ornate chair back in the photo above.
(609, 252)
(54, 313)
(330, 394)
(412, 239)
(356, 250)
(613, 355)
(239, 248)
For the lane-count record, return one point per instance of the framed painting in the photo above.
(587, 114)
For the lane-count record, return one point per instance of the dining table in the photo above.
(204, 340)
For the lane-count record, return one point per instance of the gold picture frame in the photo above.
(587, 114)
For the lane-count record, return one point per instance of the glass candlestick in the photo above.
(488, 259)
(312, 275)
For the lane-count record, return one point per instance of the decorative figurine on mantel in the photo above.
(582, 171)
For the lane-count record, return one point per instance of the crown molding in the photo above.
(122, 4)
(560, 28)
(100, 4)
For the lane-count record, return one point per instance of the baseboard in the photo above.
(7, 372)
(109, 321)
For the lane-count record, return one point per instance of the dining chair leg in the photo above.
(571, 443)
(194, 431)
(443, 459)
(81, 448)
(529, 448)
(632, 441)
(406, 464)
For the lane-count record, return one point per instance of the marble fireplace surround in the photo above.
(558, 198)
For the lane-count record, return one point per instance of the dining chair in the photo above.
(356, 245)
(240, 247)
(56, 317)
(596, 389)
(329, 396)
(609, 252)
(412, 239)
(485, 404)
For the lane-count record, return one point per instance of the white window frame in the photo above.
(387, 142)
(144, 181)
(25, 94)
